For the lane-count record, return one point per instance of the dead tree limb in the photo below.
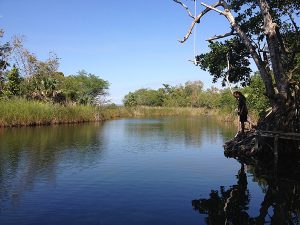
(213, 8)
(221, 36)
(185, 7)
(197, 20)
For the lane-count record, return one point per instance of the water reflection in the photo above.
(193, 130)
(280, 205)
(31, 156)
(83, 174)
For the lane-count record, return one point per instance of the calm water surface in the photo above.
(133, 171)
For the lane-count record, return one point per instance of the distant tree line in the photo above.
(23, 75)
(192, 94)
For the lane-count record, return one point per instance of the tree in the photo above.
(130, 100)
(28, 64)
(5, 50)
(255, 95)
(12, 84)
(144, 97)
(266, 31)
(193, 90)
(83, 87)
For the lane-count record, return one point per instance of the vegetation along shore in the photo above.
(35, 92)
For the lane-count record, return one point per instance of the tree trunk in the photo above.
(285, 107)
(275, 54)
(261, 65)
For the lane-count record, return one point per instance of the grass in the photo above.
(21, 112)
(170, 111)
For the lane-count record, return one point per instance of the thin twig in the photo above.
(196, 20)
(186, 8)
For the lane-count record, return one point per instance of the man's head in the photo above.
(236, 94)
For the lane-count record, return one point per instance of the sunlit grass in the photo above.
(20, 112)
(219, 114)
(171, 111)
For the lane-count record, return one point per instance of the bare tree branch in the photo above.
(186, 8)
(197, 20)
(213, 8)
(221, 36)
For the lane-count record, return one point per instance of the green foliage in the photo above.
(252, 34)
(5, 50)
(43, 87)
(189, 95)
(255, 94)
(83, 87)
(295, 73)
(227, 101)
(249, 17)
(130, 100)
(12, 85)
(193, 95)
(216, 61)
(143, 97)
(21, 112)
(146, 111)
(40, 80)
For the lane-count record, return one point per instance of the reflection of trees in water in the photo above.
(282, 197)
(27, 154)
(193, 130)
(282, 193)
(229, 206)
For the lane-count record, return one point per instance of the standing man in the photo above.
(242, 109)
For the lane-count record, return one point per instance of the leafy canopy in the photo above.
(248, 16)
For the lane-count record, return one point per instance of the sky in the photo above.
(132, 44)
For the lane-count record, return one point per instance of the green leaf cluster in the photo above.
(40, 80)
(193, 95)
(83, 87)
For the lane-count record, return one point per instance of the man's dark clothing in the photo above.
(242, 108)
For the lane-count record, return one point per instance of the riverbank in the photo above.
(21, 112)
(222, 116)
(170, 111)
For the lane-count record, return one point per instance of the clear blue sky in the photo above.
(132, 44)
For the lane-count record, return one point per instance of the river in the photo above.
(135, 171)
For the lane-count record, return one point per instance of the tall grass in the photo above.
(171, 111)
(20, 112)
(219, 114)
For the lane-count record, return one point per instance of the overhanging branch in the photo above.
(213, 8)
(185, 7)
(197, 20)
(221, 36)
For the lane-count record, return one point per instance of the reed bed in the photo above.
(21, 112)
(170, 111)
(219, 114)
